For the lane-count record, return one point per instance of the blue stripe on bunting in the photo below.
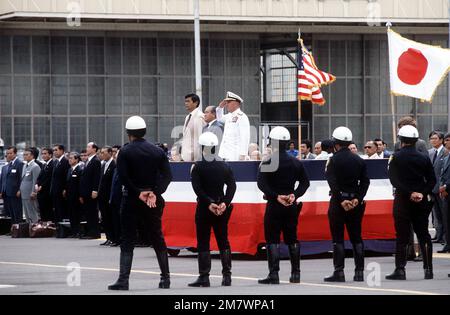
(247, 171)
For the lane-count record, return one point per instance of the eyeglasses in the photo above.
(367, 147)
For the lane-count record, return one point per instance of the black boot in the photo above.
(273, 258)
(225, 257)
(401, 255)
(294, 254)
(163, 261)
(338, 261)
(427, 253)
(126, 259)
(358, 254)
(204, 267)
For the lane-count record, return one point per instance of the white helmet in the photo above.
(135, 123)
(208, 139)
(342, 134)
(408, 131)
(280, 133)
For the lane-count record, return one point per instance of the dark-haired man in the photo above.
(58, 183)
(89, 190)
(11, 178)
(43, 185)
(104, 193)
(193, 126)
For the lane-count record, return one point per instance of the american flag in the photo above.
(310, 78)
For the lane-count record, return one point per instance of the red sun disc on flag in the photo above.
(412, 67)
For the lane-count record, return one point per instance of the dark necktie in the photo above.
(187, 121)
(435, 156)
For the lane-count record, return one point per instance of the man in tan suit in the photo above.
(193, 126)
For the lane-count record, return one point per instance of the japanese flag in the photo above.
(416, 69)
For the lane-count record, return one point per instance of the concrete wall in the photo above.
(433, 11)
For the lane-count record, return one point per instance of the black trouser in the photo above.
(116, 226)
(204, 221)
(91, 211)
(407, 213)
(133, 210)
(446, 222)
(339, 219)
(105, 211)
(74, 215)
(45, 206)
(279, 218)
(438, 217)
(6, 206)
(14, 205)
(60, 206)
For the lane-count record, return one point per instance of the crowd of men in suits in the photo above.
(65, 186)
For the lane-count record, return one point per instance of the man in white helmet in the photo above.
(412, 175)
(145, 173)
(209, 176)
(277, 178)
(346, 174)
(236, 134)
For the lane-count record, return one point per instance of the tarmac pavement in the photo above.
(50, 266)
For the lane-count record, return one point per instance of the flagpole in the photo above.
(299, 101)
(394, 125)
(448, 102)
(198, 62)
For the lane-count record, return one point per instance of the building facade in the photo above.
(73, 71)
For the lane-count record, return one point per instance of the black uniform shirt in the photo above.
(346, 174)
(411, 171)
(208, 180)
(143, 166)
(282, 181)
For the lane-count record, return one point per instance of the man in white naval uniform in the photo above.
(236, 134)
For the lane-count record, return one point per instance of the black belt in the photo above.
(348, 195)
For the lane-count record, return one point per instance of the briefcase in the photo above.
(42, 229)
(20, 230)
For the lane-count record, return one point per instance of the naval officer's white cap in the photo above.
(233, 97)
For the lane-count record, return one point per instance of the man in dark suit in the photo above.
(58, 182)
(43, 182)
(72, 192)
(3, 187)
(212, 124)
(115, 201)
(444, 190)
(11, 178)
(104, 193)
(89, 190)
(436, 154)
